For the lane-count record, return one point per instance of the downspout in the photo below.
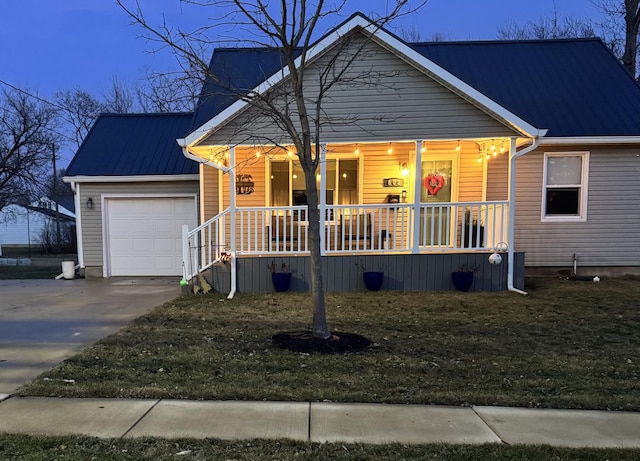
(232, 208)
(232, 203)
(75, 187)
(513, 156)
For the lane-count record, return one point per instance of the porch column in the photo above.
(416, 198)
(323, 197)
(232, 209)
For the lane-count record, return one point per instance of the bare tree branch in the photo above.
(296, 103)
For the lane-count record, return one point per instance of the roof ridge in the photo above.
(510, 41)
(143, 114)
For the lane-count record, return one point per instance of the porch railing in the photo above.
(402, 228)
(204, 245)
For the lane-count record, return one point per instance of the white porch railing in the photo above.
(348, 229)
(204, 245)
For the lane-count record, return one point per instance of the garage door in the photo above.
(144, 235)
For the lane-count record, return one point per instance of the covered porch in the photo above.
(375, 199)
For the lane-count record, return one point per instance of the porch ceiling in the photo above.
(218, 155)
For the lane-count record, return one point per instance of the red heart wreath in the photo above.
(433, 183)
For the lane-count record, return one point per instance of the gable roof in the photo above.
(133, 145)
(357, 22)
(572, 87)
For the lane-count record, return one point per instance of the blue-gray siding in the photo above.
(426, 272)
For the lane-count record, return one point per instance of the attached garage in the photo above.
(143, 235)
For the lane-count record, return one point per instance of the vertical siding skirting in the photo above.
(423, 272)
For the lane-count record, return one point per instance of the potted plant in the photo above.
(471, 230)
(281, 278)
(463, 278)
(372, 279)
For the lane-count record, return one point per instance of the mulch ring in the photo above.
(304, 341)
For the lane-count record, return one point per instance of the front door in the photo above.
(437, 189)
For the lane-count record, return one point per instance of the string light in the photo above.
(390, 149)
(458, 147)
(357, 151)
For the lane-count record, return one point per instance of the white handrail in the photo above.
(350, 229)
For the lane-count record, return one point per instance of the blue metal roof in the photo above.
(236, 70)
(134, 144)
(572, 87)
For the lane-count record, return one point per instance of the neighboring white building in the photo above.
(23, 225)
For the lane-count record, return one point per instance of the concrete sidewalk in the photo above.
(319, 422)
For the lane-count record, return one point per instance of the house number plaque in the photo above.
(393, 182)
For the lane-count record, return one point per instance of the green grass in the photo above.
(29, 272)
(43, 266)
(18, 447)
(566, 345)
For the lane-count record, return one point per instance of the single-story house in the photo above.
(34, 225)
(445, 153)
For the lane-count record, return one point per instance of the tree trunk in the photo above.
(320, 327)
(632, 22)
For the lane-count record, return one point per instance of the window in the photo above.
(288, 188)
(565, 186)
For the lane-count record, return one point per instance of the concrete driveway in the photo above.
(42, 322)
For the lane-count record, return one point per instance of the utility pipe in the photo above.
(75, 187)
(513, 156)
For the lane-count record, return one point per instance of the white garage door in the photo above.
(144, 235)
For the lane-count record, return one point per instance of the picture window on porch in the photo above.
(288, 187)
(565, 186)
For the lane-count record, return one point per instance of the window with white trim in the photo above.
(288, 187)
(565, 186)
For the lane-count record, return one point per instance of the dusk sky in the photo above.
(49, 45)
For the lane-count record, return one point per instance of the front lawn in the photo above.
(21, 447)
(566, 345)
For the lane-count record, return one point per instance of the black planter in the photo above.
(373, 280)
(281, 281)
(462, 280)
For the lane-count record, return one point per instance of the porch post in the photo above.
(323, 197)
(416, 198)
(232, 209)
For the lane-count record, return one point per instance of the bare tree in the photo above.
(616, 12)
(79, 110)
(57, 189)
(170, 91)
(547, 27)
(119, 98)
(296, 105)
(413, 34)
(26, 145)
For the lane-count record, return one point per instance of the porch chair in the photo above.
(358, 229)
(287, 233)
